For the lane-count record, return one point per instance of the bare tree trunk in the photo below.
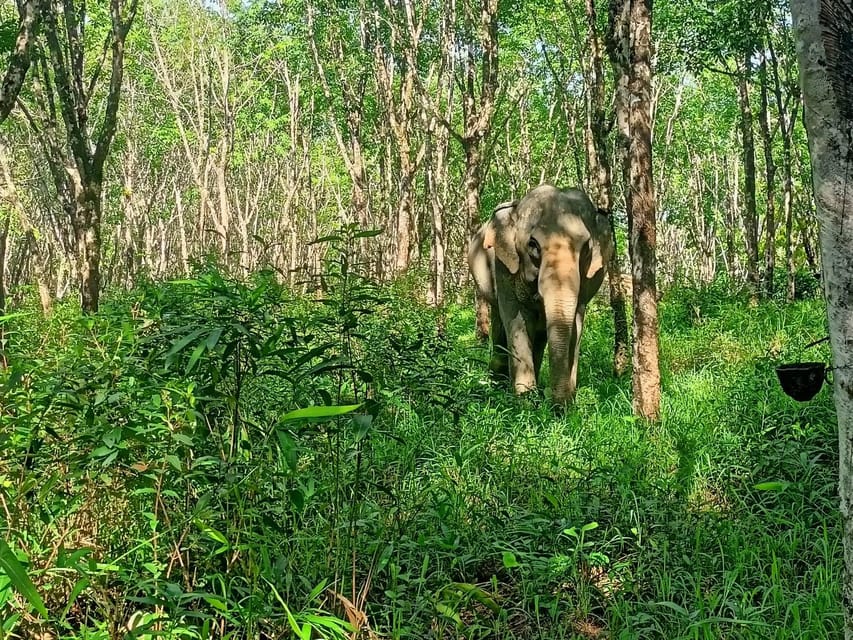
(731, 219)
(823, 29)
(182, 232)
(630, 25)
(4, 236)
(87, 233)
(601, 178)
(400, 114)
(788, 213)
(77, 162)
(478, 80)
(770, 186)
(29, 15)
(437, 194)
(750, 217)
(788, 106)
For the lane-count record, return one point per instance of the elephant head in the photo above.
(550, 255)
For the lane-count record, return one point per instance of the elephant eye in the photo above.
(534, 251)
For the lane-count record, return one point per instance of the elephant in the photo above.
(536, 265)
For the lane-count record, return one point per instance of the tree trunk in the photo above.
(4, 236)
(87, 234)
(788, 213)
(750, 222)
(19, 59)
(823, 29)
(601, 180)
(731, 217)
(642, 214)
(770, 186)
(76, 155)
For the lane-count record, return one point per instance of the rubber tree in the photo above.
(823, 30)
(29, 14)
(629, 44)
(73, 127)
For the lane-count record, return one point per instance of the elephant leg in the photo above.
(499, 363)
(540, 340)
(483, 327)
(521, 366)
(574, 344)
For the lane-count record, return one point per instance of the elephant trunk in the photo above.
(560, 317)
(560, 287)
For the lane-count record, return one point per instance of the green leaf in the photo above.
(367, 233)
(80, 586)
(317, 590)
(174, 461)
(288, 449)
(196, 354)
(214, 535)
(20, 580)
(321, 412)
(213, 338)
(297, 499)
(446, 611)
(479, 595)
(180, 345)
(780, 485)
(509, 560)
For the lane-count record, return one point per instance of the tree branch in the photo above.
(19, 61)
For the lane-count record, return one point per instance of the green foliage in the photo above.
(214, 458)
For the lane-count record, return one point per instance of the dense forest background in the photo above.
(247, 130)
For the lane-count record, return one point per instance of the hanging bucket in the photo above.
(802, 380)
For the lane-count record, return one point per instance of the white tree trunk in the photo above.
(823, 29)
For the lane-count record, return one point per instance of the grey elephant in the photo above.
(536, 265)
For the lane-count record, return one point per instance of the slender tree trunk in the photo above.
(4, 237)
(731, 217)
(770, 184)
(629, 44)
(77, 162)
(601, 180)
(29, 15)
(750, 217)
(643, 224)
(472, 181)
(823, 29)
(87, 234)
(788, 117)
(788, 213)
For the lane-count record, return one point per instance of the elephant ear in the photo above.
(600, 245)
(596, 259)
(500, 235)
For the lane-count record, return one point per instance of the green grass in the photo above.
(134, 493)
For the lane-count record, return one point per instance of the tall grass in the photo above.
(154, 479)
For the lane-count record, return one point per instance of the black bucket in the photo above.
(801, 380)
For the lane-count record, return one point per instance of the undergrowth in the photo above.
(214, 459)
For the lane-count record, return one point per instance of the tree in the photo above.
(470, 49)
(75, 147)
(824, 29)
(598, 124)
(630, 49)
(19, 60)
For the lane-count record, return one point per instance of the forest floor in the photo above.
(156, 482)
